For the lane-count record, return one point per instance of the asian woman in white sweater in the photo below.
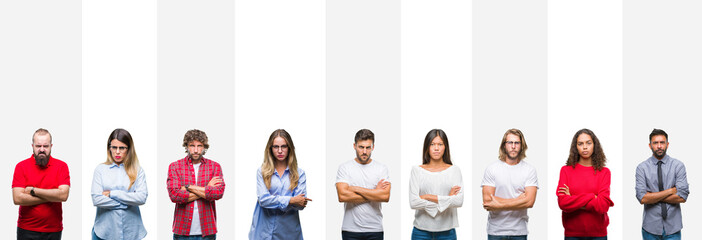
(435, 190)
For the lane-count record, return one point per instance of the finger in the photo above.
(307, 199)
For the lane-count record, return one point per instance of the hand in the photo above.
(28, 189)
(382, 184)
(674, 190)
(215, 181)
(299, 200)
(564, 190)
(430, 197)
(106, 193)
(454, 190)
(493, 204)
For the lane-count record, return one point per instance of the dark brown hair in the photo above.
(427, 144)
(598, 157)
(195, 135)
(364, 134)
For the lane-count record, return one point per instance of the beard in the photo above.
(360, 159)
(42, 159)
(655, 153)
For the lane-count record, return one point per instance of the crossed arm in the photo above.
(21, 195)
(355, 194)
(523, 201)
(668, 196)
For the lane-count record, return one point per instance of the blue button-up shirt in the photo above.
(118, 216)
(273, 217)
(674, 175)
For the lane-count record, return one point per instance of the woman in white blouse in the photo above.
(435, 190)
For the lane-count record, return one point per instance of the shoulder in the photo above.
(605, 170)
(494, 165)
(300, 171)
(177, 162)
(379, 165)
(677, 162)
(58, 162)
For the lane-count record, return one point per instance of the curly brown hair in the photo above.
(195, 135)
(598, 157)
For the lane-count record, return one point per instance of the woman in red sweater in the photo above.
(583, 189)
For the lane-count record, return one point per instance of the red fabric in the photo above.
(585, 183)
(45, 217)
(181, 173)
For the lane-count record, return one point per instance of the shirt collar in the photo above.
(287, 170)
(203, 160)
(655, 160)
(115, 165)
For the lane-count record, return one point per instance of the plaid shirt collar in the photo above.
(189, 160)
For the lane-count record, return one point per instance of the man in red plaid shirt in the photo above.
(194, 184)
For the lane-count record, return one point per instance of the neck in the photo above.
(585, 162)
(196, 161)
(511, 161)
(436, 162)
(659, 158)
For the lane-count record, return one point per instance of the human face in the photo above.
(659, 146)
(363, 150)
(195, 150)
(436, 149)
(280, 149)
(585, 145)
(118, 150)
(513, 146)
(41, 146)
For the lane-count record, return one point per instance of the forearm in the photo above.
(52, 195)
(24, 199)
(197, 190)
(655, 197)
(673, 199)
(513, 203)
(351, 197)
(192, 197)
(373, 195)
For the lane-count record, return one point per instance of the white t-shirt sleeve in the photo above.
(386, 174)
(415, 201)
(342, 174)
(455, 201)
(532, 180)
(488, 178)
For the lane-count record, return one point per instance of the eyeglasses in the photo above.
(512, 143)
(276, 147)
(121, 148)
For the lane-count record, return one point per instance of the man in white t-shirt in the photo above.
(362, 184)
(509, 188)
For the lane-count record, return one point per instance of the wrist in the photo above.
(31, 192)
(187, 187)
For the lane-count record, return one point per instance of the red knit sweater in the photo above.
(589, 189)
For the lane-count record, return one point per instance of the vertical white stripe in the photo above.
(279, 67)
(436, 73)
(119, 86)
(585, 91)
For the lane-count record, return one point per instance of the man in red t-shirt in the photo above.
(39, 185)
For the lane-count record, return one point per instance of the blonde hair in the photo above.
(131, 162)
(268, 166)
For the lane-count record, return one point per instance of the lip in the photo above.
(118, 157)
(281, 156)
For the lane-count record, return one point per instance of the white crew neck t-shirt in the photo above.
(509, 181)
(362, 217)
